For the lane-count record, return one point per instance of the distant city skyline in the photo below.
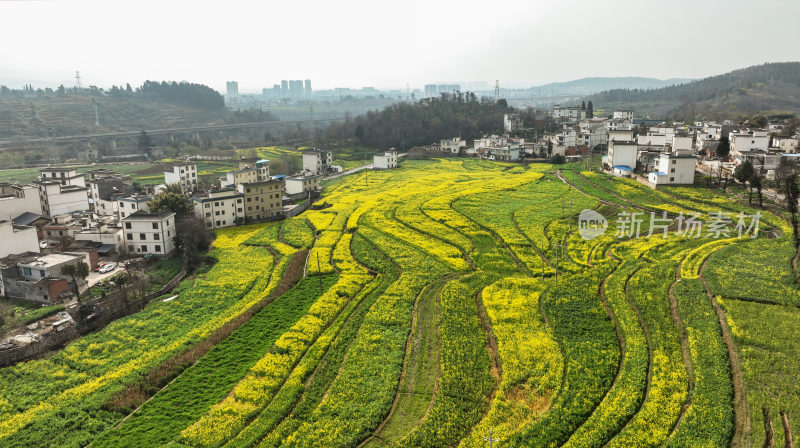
(353, 44)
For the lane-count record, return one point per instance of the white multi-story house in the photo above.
(784, 144)
(682, 144)
(317, 161)
(453, 145)
(296, 185)
(673, 169)
(220, 208)
(58, 199)
(622, 156)
(623, 114)
(184, 175)
(17, 239)
(567, 137)
(18, 199)
(747, 141)
(132, 204)
(242, 176)
(149, 233)
(64, 176)
(568, 114)
(512, 122)
(619, 135)
(385, 161)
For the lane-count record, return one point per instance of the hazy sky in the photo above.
(388, 44)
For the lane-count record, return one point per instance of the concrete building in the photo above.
(784, 145)
(453, 145)
(682, 144)
(623, 114)
(619, 135)
(512, 122)
(673, 169)
(17, 239)
(18, 199)
(386, 161)
(261, 166)
(110, 237)
(64, 176)
(184, 175)
(317, 162)
(58, 199)
(220, 208)
(262, 200)
(745, 141)
(622, 156)
(504, 154)
(149, 233)
(35, 277)
(132, 204)
(301, 185)
(242, 176)
(307, 88)
(568, 114)
(232, 90)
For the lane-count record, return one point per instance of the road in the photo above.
(368, 166)
(96, 277)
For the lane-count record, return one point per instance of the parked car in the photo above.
(99, 266)
(108, 267)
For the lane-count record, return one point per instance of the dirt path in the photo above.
(742, 420)
(685, 349)
(414, 380)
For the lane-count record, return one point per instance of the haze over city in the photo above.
(386, 44)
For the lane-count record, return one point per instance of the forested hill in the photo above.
(769, 88)
(404, 125)
(60, 112)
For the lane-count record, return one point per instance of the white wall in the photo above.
(12, 207)
(17, 241)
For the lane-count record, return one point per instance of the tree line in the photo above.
(429, 120)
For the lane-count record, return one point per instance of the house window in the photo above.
(238, 201)
(208, 205)
(672, 179)
(218, 223)
(26, 271)
(674, 161)
(155, 225)
(158, 248)
(672, 170)
(142, 236)
(156, 236)
(133, 206)
(130, 236)
(144, 247)
(208, 215)
(130, 248)
(216, 213)
(168, 233)
(128, 225)
(208, 224)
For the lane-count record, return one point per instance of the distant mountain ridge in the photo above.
(591, 85)
(771, 88)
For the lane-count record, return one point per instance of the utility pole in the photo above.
(491, 438)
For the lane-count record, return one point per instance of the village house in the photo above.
(673, 169)
(132, 204)
(149, 233)
(262, 200)
(220, 208)
(17, 239)
(622, 157)
(18, 199)
(512, 122)
(385, 161)
(317, 162)
(748, 141)
(58, 199)
(301, 185)
(38, 278)
(63, 176)
(185, 175)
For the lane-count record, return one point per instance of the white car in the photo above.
(107, 268)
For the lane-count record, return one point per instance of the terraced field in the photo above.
(434, 304)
